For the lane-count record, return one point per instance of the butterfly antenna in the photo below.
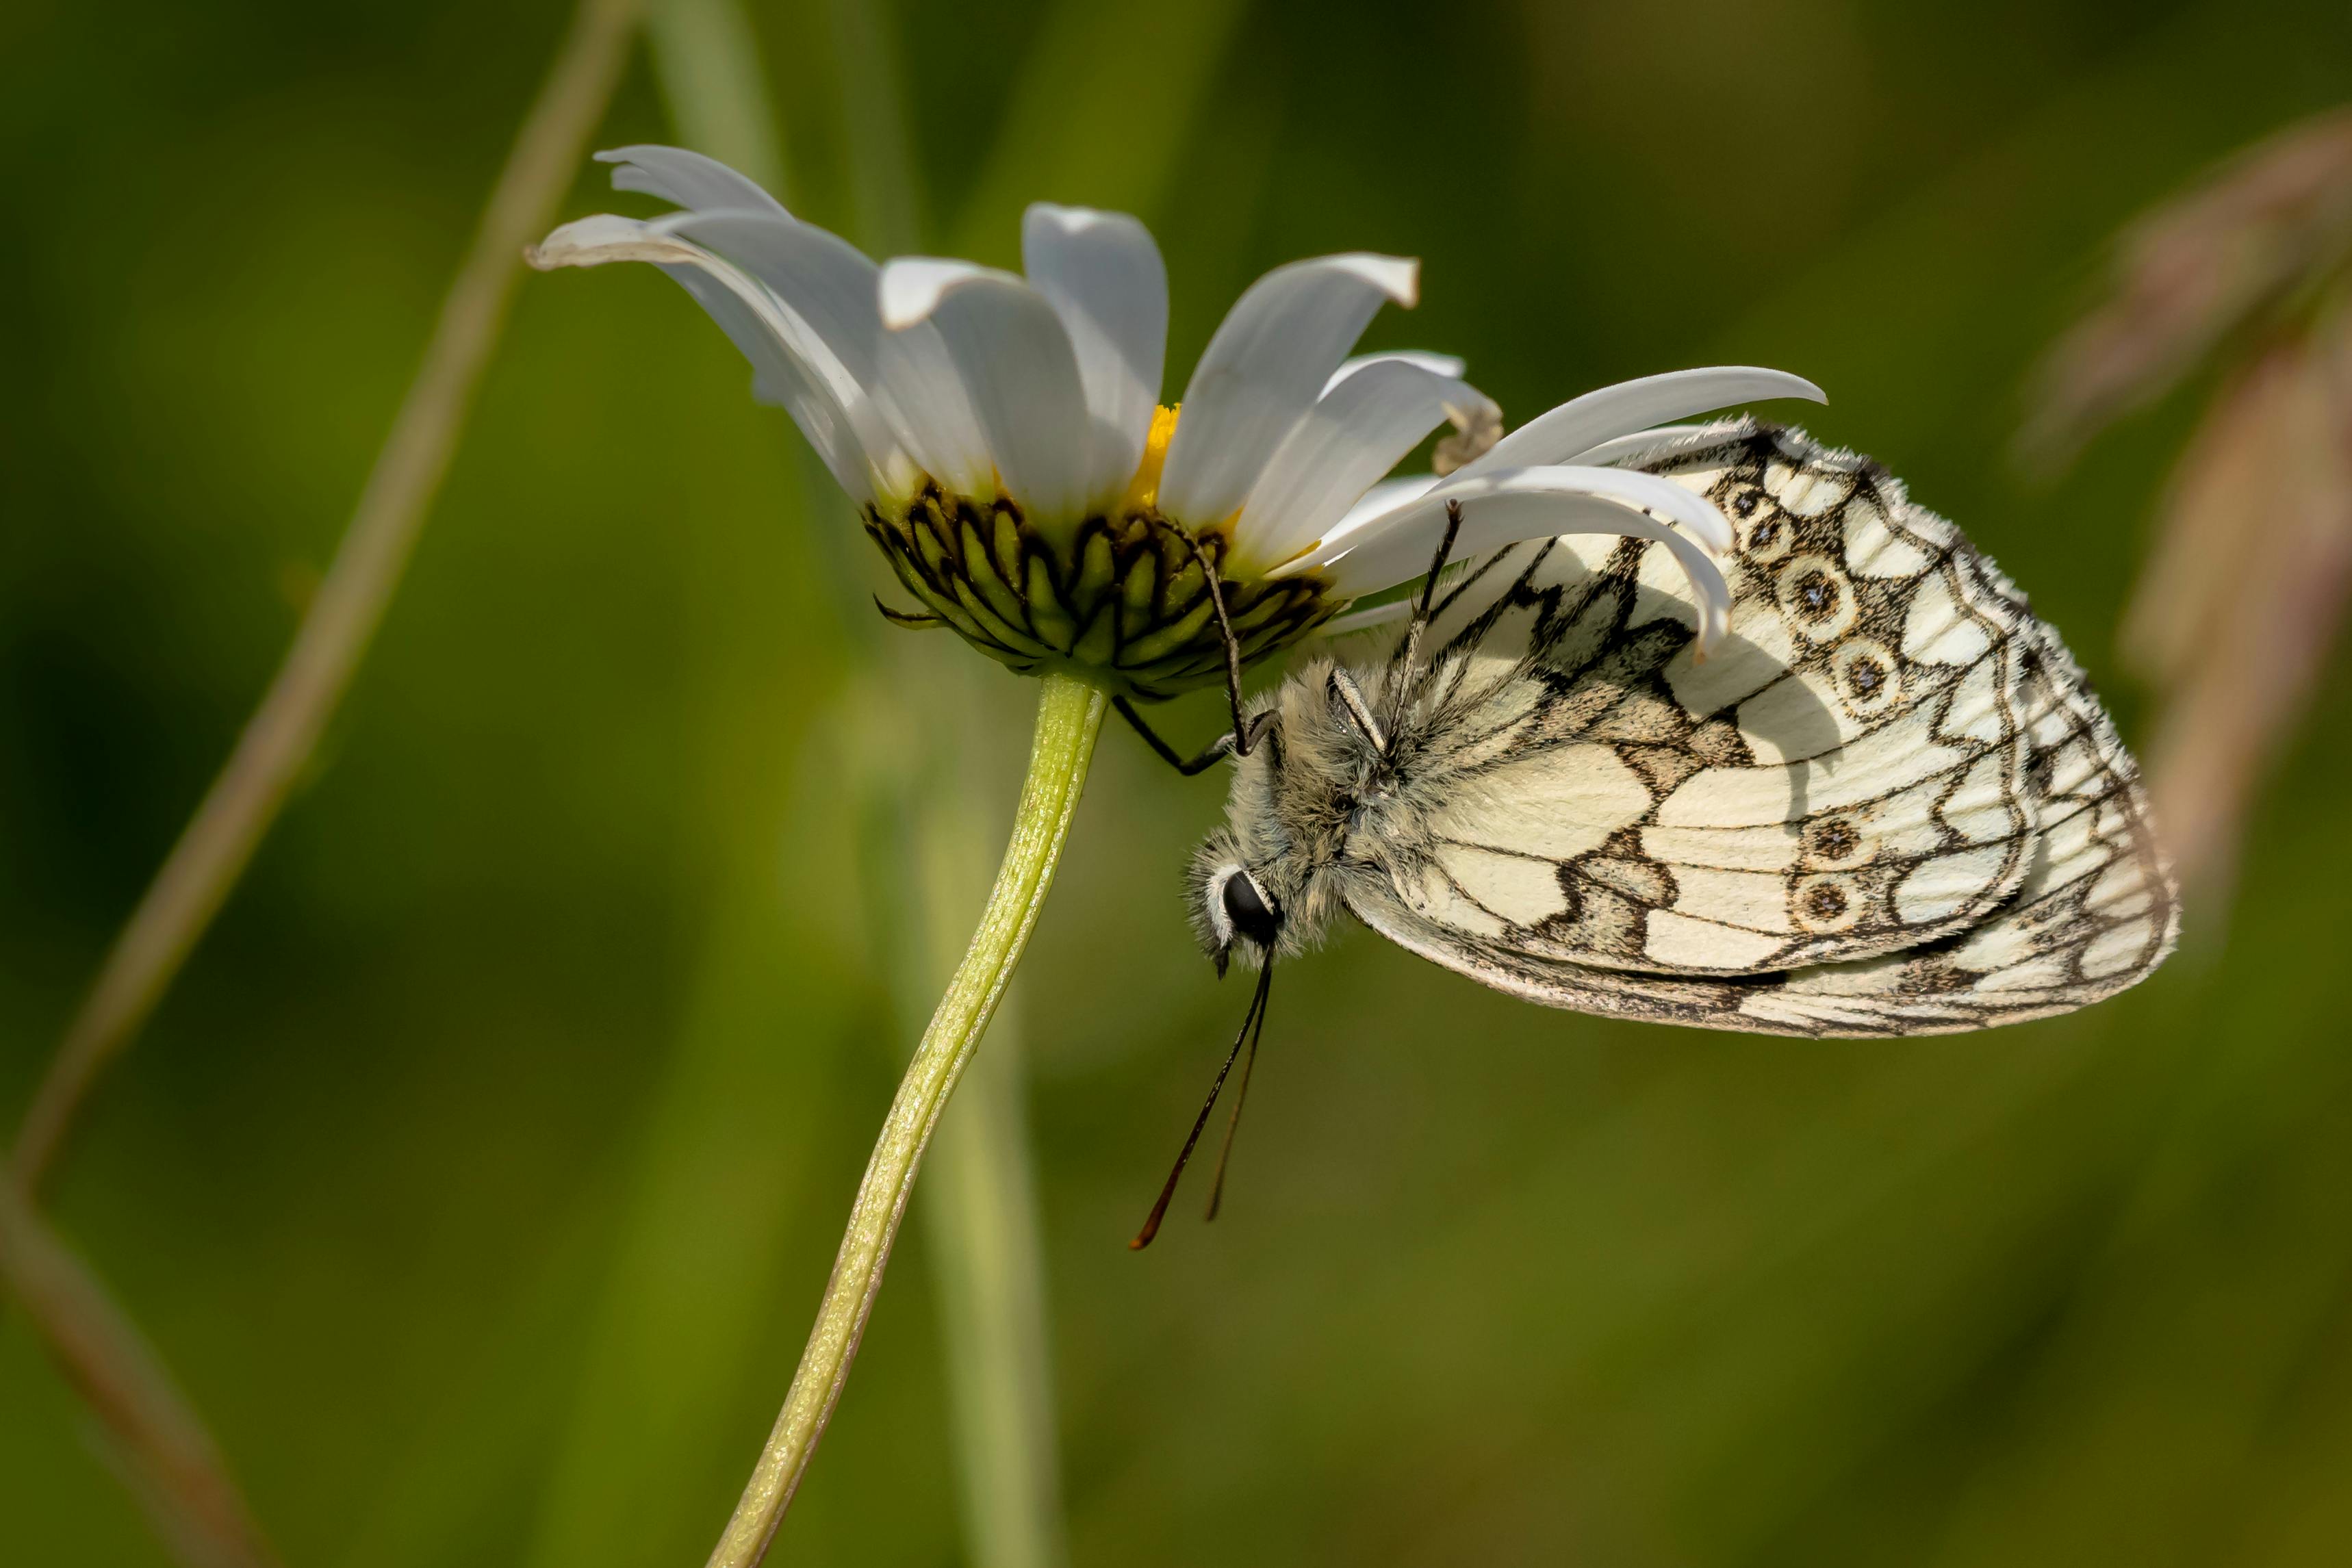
(1409, 650)
(1241, 1092)
(1159, 1209)
(1225, 630)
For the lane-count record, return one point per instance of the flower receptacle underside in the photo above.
(1120, 601)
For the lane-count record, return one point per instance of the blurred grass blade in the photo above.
(980, 1219)
(478, 1442)
(164, 1449)
(1134, 77)
(2242, 600)
(2215, 504)
(706, 58)
(283, 732)
(725, 1192)
(691, 1285)
(885, 195)
(2190, 274)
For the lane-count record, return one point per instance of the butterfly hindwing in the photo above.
(2097, 909)
(1843, 777)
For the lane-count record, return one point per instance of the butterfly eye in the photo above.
(1247, 909)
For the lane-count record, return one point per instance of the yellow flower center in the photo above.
(1143, 490)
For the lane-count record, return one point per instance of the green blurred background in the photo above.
(479, 1177)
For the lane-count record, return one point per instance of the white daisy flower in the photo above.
(1003, 436)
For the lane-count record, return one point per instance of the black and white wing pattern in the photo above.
(1888, 804)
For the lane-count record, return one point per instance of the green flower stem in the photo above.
(1069, 717)
(978, 1211)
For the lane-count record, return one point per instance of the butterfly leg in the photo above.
(1409, 648)
(1242, 736)
(1217, 751)
(1429, 584)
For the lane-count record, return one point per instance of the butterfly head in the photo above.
(1233, 906)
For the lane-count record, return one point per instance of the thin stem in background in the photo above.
(706, 57)
(167, 1455)
(1069, 718)
(986, 1260)
(280, 739)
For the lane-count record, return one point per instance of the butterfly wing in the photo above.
(1843, 778)
(1890, 782)
(2096, 913)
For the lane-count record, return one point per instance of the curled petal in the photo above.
(906, 374)
(1103, 275)
(1354, 434)
(825, 281)
(831, 284)
(1264, 368)
(1440, 364)
(1577, 426)
(1500, 510)
(1016, 363)
(791, 361)
(1476, 428)
(1694, 512)
(1671, 502)
(688, 179)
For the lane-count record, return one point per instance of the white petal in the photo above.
(1103, 275)
(1694, 513)
(1014, 357)
(1384, 496)
(778, 379)
(833, 285)
(791, 360)
(688, 179)
(1577, 426)
(925, 400)
(1500, 510)
(1442, 364)
(1355, 433)
(1264, 368)
(1698, 517)
(1371, 620)
(827, 281)
(1637, 449)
